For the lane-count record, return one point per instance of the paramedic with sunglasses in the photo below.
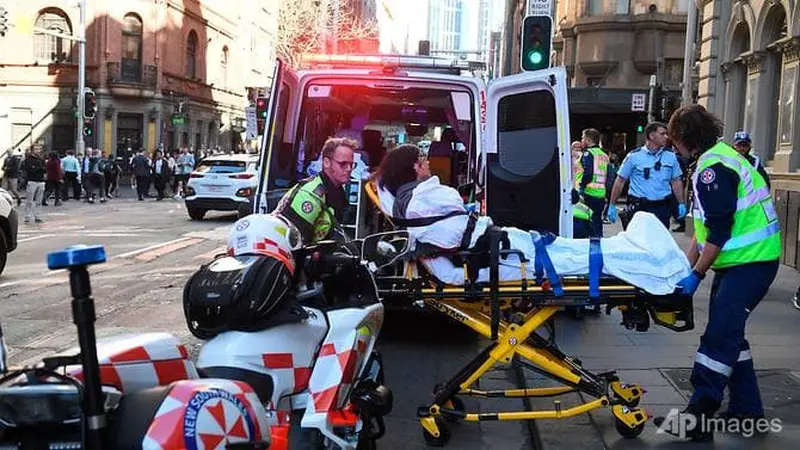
(654, 173)
(316, 204)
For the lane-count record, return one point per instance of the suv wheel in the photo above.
(3, 252)
(196, 213)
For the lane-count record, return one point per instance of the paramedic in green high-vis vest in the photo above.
(591, 179)
(737, 235)
(316, 204)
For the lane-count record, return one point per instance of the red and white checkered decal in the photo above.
(287, 366)
(335, 371)
(134, 362)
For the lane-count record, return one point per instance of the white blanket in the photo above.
(645, 255)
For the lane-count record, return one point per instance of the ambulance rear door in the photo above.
(276, 161)
(526, 152)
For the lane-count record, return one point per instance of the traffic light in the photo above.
(3, 21)
(658, 100)
(88, 127)
(261, 114)
(89, 104)
(537, 32)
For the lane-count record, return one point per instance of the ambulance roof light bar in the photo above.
(398, 61)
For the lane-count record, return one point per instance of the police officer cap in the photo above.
(741, 136)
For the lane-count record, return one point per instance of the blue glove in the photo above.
(688, 285)
(612, 213)
(681, 211)
(471, 207)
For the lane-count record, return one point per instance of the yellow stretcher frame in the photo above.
(527, 307)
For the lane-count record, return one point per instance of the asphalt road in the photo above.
(152, 248)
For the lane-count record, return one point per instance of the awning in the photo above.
(602, 100)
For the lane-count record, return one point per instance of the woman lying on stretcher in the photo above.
(645, 255)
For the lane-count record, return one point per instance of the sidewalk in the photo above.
(660, 361)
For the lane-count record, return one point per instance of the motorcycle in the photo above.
(248, 390)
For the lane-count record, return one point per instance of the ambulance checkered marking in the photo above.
(271, 248)
(282, 364)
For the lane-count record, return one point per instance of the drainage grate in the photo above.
(780, 391)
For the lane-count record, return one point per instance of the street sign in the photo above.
(178, 120)
(250, 116)
(638, 102)
(540, 7)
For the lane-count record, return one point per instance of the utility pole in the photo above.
(651, 100)
(688, 54)
(79, 143)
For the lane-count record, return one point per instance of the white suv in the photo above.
(222, 183)
(8, 227)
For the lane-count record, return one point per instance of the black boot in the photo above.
(692, 423)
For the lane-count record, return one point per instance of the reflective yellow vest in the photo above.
(755, 236)
(581, 211)
(597, 186)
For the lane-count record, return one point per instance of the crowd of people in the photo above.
(91, 176)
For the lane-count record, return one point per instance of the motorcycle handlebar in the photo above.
(340, 259)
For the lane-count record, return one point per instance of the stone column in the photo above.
(714, 16)
(787, 156)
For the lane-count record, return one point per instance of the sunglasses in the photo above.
(344, 165)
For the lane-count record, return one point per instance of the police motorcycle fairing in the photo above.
(142, 391)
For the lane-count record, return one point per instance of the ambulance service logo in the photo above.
(214, 419)
(708, 176)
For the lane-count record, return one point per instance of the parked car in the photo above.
(8, 227)
(222, 183)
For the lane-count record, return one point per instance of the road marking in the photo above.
(210, 255)
(33, 238)
(10, 283)
(165, 249)
(152, 247)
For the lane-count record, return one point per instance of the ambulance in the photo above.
(503, 143)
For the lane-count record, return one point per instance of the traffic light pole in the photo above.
(79, 143)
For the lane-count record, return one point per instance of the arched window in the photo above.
(191, 55)
(223, 68)
(52, 49)
(132, 48)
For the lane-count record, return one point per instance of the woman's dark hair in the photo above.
(397, 167)
(694, 127)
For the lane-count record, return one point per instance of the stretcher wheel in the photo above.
(627, 432)
(444, 434)
(455, 404)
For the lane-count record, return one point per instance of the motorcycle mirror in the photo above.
(384, 249)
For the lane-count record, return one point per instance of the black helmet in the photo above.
(244, 293)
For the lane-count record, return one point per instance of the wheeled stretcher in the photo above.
(510, 313)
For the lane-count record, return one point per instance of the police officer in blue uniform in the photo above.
(736, 234)
(654, 174)
(743, 144)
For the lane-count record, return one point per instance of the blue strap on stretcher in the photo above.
(595, 267)
(543, 265)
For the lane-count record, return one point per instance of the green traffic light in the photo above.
(535, 57)
(639, 129)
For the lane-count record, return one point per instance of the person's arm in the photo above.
(587, 162)
(717, 194)
(677, 179)
(302, 209)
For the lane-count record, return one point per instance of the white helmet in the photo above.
(265, 234)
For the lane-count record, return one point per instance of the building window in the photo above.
(223, 67)
(594, 7)
(191, 55)
(787, 101)
(623, 6)
(595, 81)
(52, 49)
(131, 48)
(673, 72)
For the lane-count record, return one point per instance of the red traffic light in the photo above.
(261, 107)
